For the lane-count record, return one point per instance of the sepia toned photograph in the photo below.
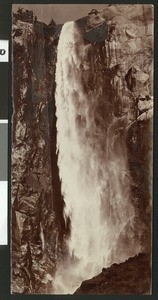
(82, 144)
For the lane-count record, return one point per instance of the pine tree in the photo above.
(52, 22)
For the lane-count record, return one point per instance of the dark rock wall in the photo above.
(128, 278)
(140, 166)
(35, 224)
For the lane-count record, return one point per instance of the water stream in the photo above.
(93, 170)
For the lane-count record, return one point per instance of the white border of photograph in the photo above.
(3, 212)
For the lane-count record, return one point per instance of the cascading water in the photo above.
(93, 171)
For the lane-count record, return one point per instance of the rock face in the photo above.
(36, 230)
(120, 69)
(130, 277)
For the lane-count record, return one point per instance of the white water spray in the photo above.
(95, 182)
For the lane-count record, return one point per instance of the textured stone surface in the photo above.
(34, 226)
(130, 277)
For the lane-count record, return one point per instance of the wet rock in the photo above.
(93, 28)
(97, 34)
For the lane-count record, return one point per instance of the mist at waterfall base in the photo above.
(95, 181)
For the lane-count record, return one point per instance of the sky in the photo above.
(61, 13)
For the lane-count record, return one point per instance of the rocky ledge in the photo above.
(130, 277)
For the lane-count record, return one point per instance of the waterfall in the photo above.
(93, 170)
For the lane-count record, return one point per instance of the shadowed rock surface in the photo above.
(130, 277)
